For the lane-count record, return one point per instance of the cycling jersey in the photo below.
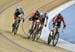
(35, 16)
(18, 12)
(57, 20)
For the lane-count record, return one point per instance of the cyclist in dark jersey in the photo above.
(19, 13)
(35, 16)
(57, 21)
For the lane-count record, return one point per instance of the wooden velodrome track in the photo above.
(19, 42)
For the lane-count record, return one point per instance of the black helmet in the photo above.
(45, 13)
(59, 15)
(37, 11)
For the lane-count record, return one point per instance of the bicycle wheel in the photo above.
(13, 28)
(55, 39)
(38, 34)
(34, 33)
(49, 39)
(16, 25)
(33, 36)
(16, 28)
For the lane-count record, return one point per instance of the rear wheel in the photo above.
(55, 39)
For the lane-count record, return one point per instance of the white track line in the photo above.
(45, 32)
(66, 45)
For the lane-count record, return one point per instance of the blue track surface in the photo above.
(69, 33)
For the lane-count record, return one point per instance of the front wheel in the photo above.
(55, 39)
(33, 36)
(15, 28)
(49, 39)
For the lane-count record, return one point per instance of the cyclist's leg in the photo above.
(13, 27)
(58, 26)
(32, 26)
(31, 30)
(14, 23)
(18, 23)
(41, 26)
(42, 23)
(53, 24)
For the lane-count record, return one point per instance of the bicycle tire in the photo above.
(49, 39)
(54, 37)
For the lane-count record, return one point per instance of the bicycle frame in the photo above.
(35, 29)
(54, 36)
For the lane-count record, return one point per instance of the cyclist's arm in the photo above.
(63, 22)
(55, 19)
(31, 16)
(23, 17)
(23, 14)
(14, 16)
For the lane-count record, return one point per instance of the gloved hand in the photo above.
(64, 26)
(63, 30)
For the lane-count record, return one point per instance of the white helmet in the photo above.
(19, 9)
(41, 13)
